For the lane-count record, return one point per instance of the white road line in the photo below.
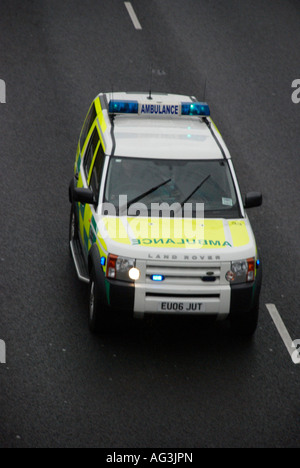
(132, 15)
(282, 330)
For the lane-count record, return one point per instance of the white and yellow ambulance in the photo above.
(158, 224)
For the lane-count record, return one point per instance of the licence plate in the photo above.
(192, 307)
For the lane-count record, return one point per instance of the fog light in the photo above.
(230, 276)
(134, 273)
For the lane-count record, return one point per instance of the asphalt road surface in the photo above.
(165, 384)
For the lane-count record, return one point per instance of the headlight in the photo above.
(241, 271)
(134, 274)
(122, 268)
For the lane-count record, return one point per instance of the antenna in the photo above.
(151, 74)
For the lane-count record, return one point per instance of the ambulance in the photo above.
(158, 224)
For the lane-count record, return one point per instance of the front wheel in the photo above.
(245, 324)
(99, 316)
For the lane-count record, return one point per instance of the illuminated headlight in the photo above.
(241, 271)
(134, 273)
(122, 268)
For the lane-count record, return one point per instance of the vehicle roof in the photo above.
(154, 136)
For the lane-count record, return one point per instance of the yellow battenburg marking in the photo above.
(87, 217)
(100, 115)
(87, 223)
(166, 228)
(101, 243)
(178, 233)
(116, 230)
(80, 181)
(175, 232)
(239, 233)
(214, 233)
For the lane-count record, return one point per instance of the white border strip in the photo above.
(132, 15)
(285, 336)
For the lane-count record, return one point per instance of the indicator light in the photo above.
(111, 266)
(251, 269)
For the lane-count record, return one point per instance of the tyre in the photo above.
(245, 324)
(99, 313)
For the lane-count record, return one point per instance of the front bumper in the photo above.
(145, 297)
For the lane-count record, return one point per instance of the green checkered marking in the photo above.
(94, 225)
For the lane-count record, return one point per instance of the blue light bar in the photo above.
(195, 108)
(157, 277)
(123, 107)
(103, 261)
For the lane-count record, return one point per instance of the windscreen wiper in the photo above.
(194, 191)
(139, 197)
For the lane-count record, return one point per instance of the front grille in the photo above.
(182, 296)
(192, 275)
(199, 283)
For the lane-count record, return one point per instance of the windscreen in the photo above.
(152, 181)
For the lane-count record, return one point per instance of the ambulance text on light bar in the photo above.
(170, 109)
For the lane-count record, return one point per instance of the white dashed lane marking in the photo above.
(285, 336)
(132, 15)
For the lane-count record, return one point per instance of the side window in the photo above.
(90, 152)
(90, 118)
(97, 171)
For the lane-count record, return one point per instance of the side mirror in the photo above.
(84, 196)
(253, 199)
